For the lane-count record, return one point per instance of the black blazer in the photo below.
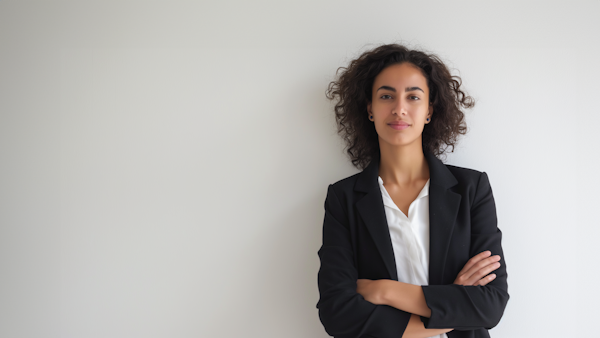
(357, 244)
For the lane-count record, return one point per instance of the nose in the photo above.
(399, 108)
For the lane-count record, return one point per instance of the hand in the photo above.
(477, 270)
(371, 290)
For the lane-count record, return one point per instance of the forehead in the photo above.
(401, 75)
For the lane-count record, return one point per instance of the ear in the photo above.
(369, 113)
(430, 113)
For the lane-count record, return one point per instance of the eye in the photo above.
(413, 97)
(385, 97)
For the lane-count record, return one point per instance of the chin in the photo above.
(396, 142)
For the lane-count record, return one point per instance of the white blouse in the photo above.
(410, 237)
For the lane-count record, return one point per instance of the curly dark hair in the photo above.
(353, 91)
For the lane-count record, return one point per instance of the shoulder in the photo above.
(464, 175)
(340, 197)
(345, 185)
(347, 181)
(472, 184)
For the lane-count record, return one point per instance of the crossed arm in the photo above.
(410, 298)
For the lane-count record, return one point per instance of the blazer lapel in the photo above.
(443, 208)
(372, 212)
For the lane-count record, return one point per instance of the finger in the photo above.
(485, 280)
(477, 258)
(476, 263)
(480, 265)
(481, 269)
(484, 271)
(474, 260)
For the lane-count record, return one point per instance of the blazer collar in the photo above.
(443, 208)
(438, 173)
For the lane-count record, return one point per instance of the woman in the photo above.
(410, 245)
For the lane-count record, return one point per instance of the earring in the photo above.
(371, 117)
(428, 119)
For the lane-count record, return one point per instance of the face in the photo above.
(400, 105)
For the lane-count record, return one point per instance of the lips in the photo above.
(399, 125)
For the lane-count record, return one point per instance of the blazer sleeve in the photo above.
(473, 307)
(342, 311)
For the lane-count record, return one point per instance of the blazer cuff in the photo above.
(388, 322)
(463, 307)
(436, 297)
(425, 321)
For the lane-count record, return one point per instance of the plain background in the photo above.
(163, 165)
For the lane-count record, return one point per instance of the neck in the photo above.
(402, 165)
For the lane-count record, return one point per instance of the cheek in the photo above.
(421, 115)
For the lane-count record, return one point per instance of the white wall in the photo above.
(164, 164)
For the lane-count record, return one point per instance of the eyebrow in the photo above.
(407, 89)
